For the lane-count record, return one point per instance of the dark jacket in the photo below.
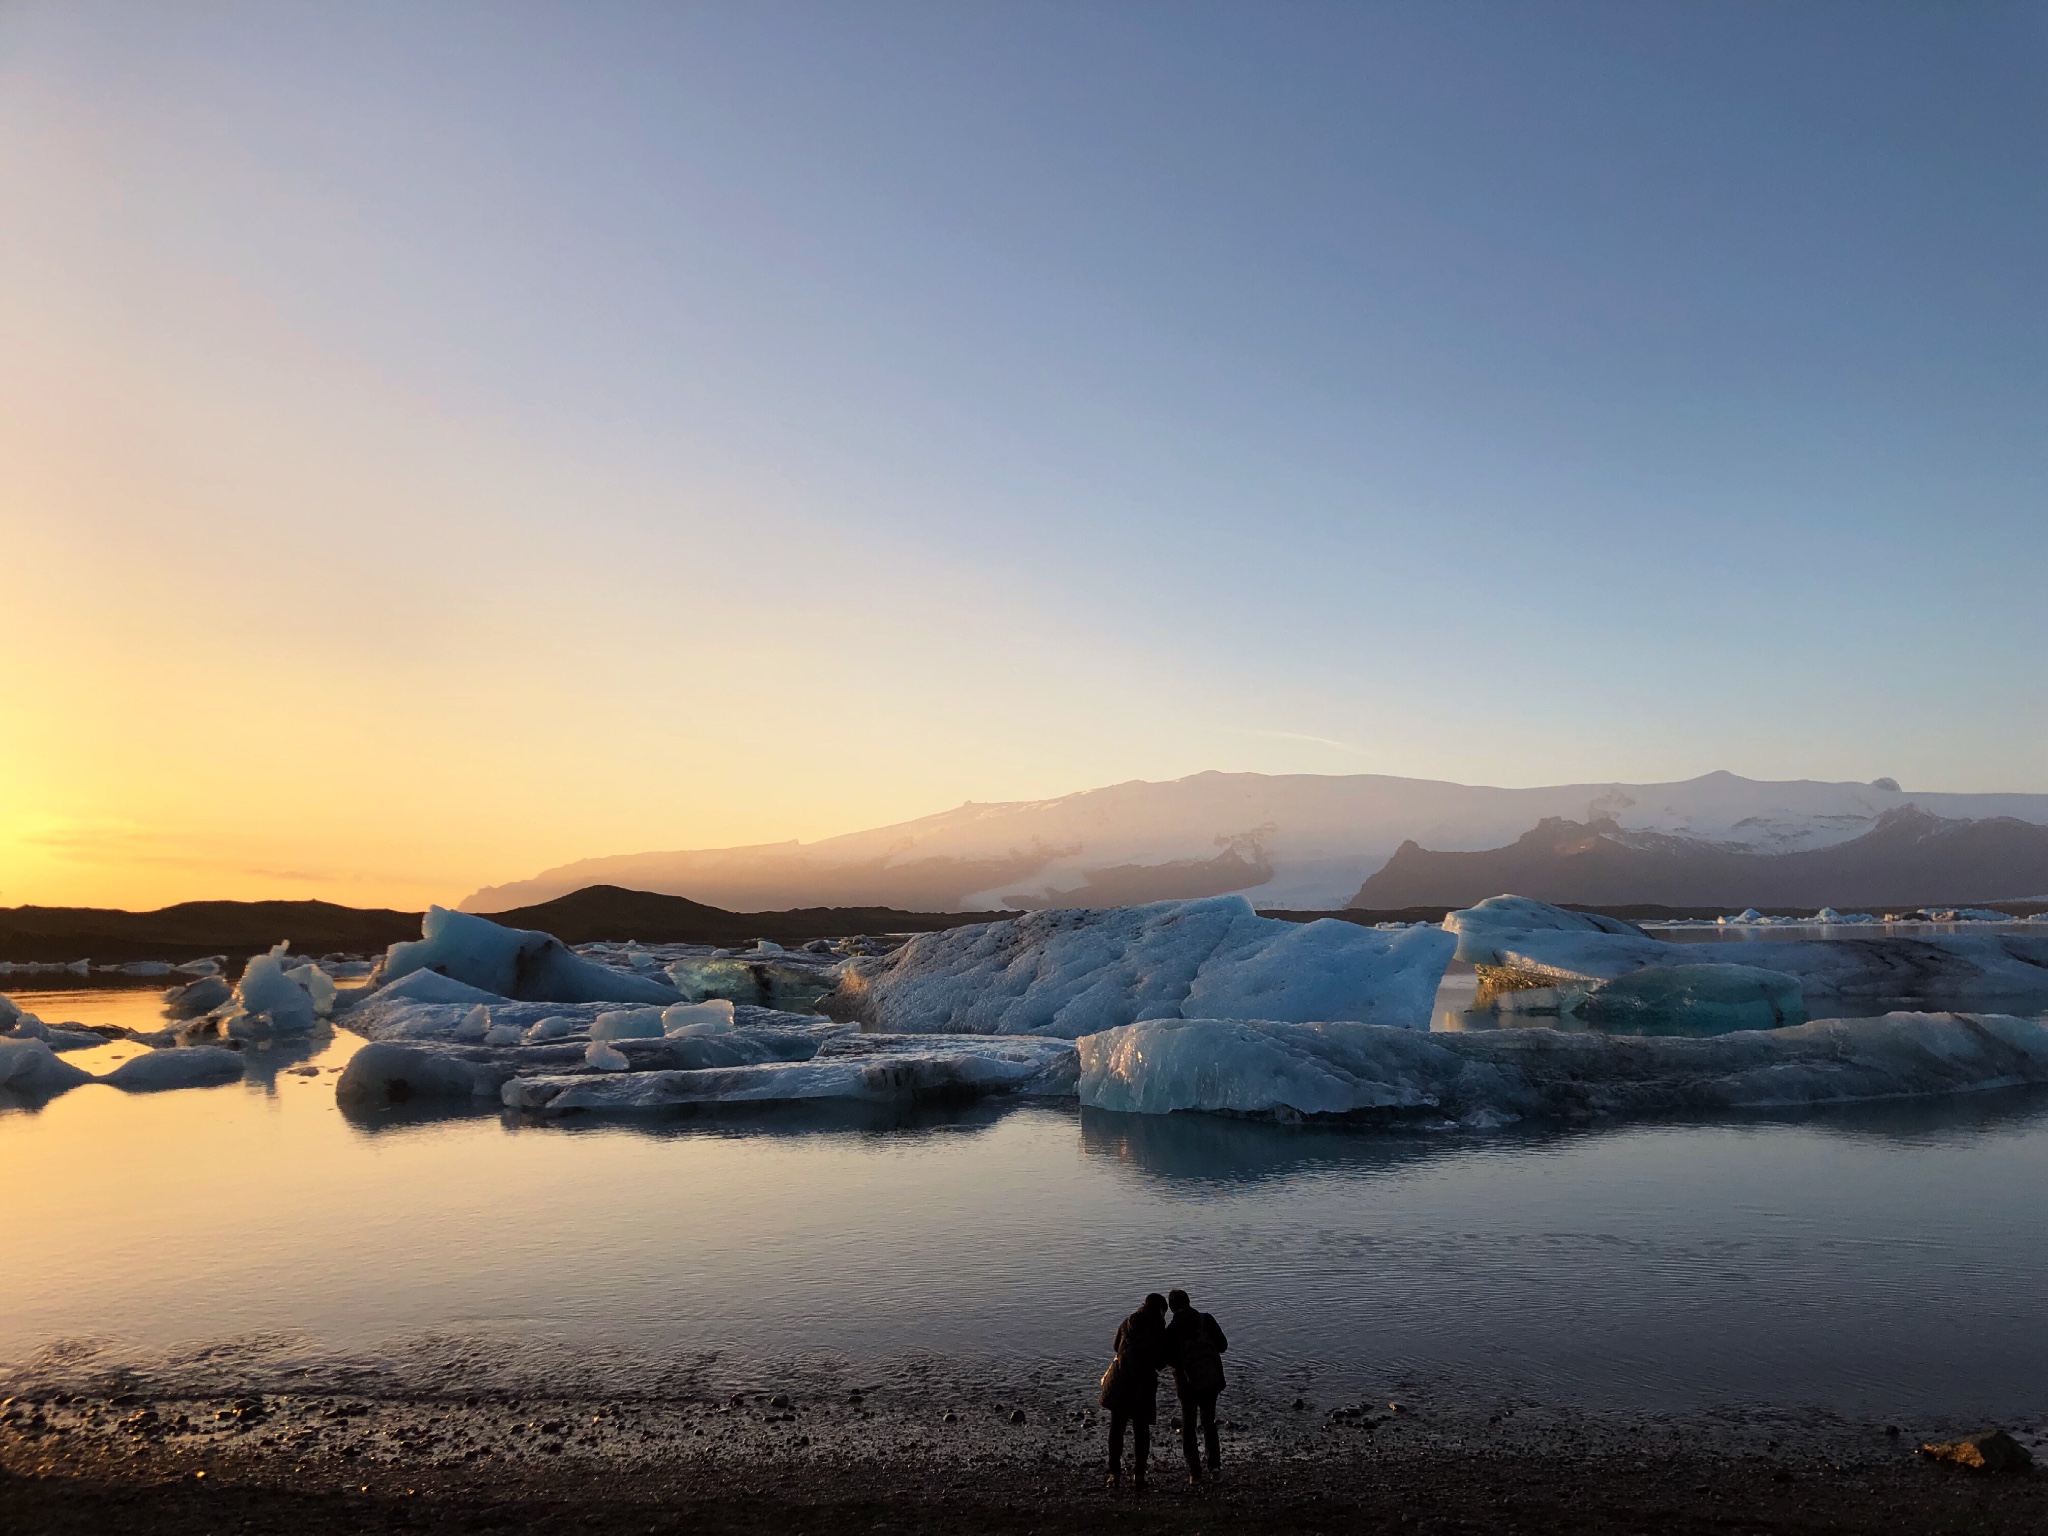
(1131, 1384)
(1194, 1347)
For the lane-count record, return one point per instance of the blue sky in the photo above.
(726, 422)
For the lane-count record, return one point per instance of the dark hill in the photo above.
(612, 912)
(1910, 858)
(241, 928)
(194, 928)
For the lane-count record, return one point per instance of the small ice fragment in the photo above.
(504, 1034)
(627, 1024)
(605, 1057)
(707, 1018)
(475, 1025)
(550, 1029)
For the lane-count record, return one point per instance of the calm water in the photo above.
(1881, 1260)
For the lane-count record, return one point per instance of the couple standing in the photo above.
(1146, 1342)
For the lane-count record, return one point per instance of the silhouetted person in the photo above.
(1194, 1347)
(1130, 1387)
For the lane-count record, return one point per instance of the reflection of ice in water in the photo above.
(1711, 1256)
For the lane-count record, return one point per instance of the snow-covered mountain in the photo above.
(1301, 841)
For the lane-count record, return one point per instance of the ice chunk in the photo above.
(1483, 929)
(159, 1070)
(198, 968)
(266, 990)
(551, 1029)
(512, 962)
(2001, 971)
(706, 1018)
(385, 1072)
(780, 980)
(1327, 969)
(28, 1067)
(75, 1038)
(318, 984)
(475, 1024)
(867, 1068)
(1695, 1000)
(1073, 973)
(1370, 1073)
(197, 997)
(9, 1012)
(606, 1057)
(627, 1024)
(433, 987)
(504, 1034)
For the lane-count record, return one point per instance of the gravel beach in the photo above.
(826, 1457)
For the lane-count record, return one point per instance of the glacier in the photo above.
(1079, 971)
(1371, 1074)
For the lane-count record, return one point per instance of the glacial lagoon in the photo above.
(1870, 1259)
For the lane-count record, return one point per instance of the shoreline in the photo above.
(902, 1458)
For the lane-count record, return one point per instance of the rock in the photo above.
(1016, 1415)
(1992, 1451)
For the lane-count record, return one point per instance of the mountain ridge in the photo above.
(1909, 858)
(1289, 841)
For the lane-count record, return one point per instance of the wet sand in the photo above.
(823, 1458)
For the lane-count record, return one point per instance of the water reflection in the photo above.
(824, 1119)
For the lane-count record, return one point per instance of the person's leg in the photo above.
(1142, 1431)
(1208, 1433)
(1189, 1408)
(1116, 1444)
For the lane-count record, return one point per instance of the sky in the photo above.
(439, 442)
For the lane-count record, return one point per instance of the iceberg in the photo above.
(772, 978)
(1482, 931)
(29, 1067)
(518, 963)
(197, 1067)
(201, 996)
(860, 1068)
(385, 1072)
(281, 998)
(1516, 942)
(1077, 972)
(433, 987)
(1375, 1075)
(1695, 1000)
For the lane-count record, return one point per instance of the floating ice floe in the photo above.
(851, 1067)
(28, 1067)
(570, 1058)
(1372, 1074)
(1518, 942)
(196, 1067)
(58, 1037)
(519, 963)
(1074, 973)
